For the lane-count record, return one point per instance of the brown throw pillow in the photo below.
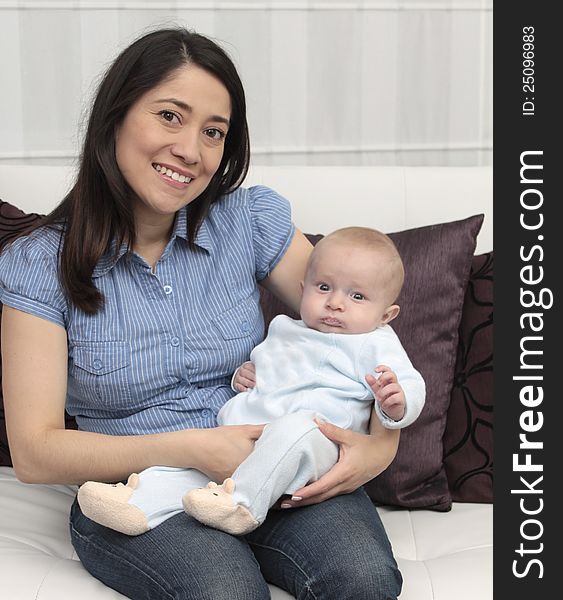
(468, 440)
(5, 458)
(437, 262)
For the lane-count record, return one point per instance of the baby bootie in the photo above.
(108, 505)
(214, 506)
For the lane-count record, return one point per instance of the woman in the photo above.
(133, 304)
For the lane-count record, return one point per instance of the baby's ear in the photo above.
(391, 312)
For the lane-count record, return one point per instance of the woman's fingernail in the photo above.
(296, 498)
(285, 505)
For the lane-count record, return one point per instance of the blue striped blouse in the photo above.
(160, 355)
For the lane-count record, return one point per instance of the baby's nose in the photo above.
(336, 301)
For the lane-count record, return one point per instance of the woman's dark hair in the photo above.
(97, 210)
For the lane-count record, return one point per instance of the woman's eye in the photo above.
(168, 115)
(358, 296)
(215, 134)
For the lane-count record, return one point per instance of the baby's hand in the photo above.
(245, 377)
(388, 392)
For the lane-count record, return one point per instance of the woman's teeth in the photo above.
(172, 174)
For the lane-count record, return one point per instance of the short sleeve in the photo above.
(272, 228)
(29, 280)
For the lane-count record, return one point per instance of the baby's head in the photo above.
(352, 280)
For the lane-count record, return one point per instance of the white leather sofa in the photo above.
(442, 556)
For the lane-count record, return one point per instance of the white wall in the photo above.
(367, 82)
(322, 198)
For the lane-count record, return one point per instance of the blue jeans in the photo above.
(335, 550)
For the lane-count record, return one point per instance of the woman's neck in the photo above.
(152, 236)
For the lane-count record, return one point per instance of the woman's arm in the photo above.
(285, 280)
(34, 370)
(362, 457)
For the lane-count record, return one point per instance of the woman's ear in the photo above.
(390, 313)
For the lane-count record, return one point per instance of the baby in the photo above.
(320, 367)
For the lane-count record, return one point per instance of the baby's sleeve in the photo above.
(384, 348)
(29, 281)
(272, 228)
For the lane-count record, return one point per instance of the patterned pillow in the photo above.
(468, 440)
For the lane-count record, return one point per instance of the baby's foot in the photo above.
(108, 505)
(214, 506)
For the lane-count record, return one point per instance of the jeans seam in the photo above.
(119, 557)
(297, 566)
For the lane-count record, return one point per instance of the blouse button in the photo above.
(167, 289)
(245, 326)
(97, 364)
(175, 341)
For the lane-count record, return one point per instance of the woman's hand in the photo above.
(362, 457)
(224, 448)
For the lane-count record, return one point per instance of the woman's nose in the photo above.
(186, 146)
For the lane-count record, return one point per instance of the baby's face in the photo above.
(343, 292)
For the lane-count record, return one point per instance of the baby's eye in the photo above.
(169, 116)
(358, 296)
(215, 134)
(324, 287)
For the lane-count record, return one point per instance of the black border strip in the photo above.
(527, 123)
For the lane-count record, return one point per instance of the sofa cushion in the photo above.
(468, 440)
(37, 559)
(437, 262)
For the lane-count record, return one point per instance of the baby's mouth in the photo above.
(332, 322)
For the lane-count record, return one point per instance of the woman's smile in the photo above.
(174, 176)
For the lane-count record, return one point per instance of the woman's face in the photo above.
(171, 141)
